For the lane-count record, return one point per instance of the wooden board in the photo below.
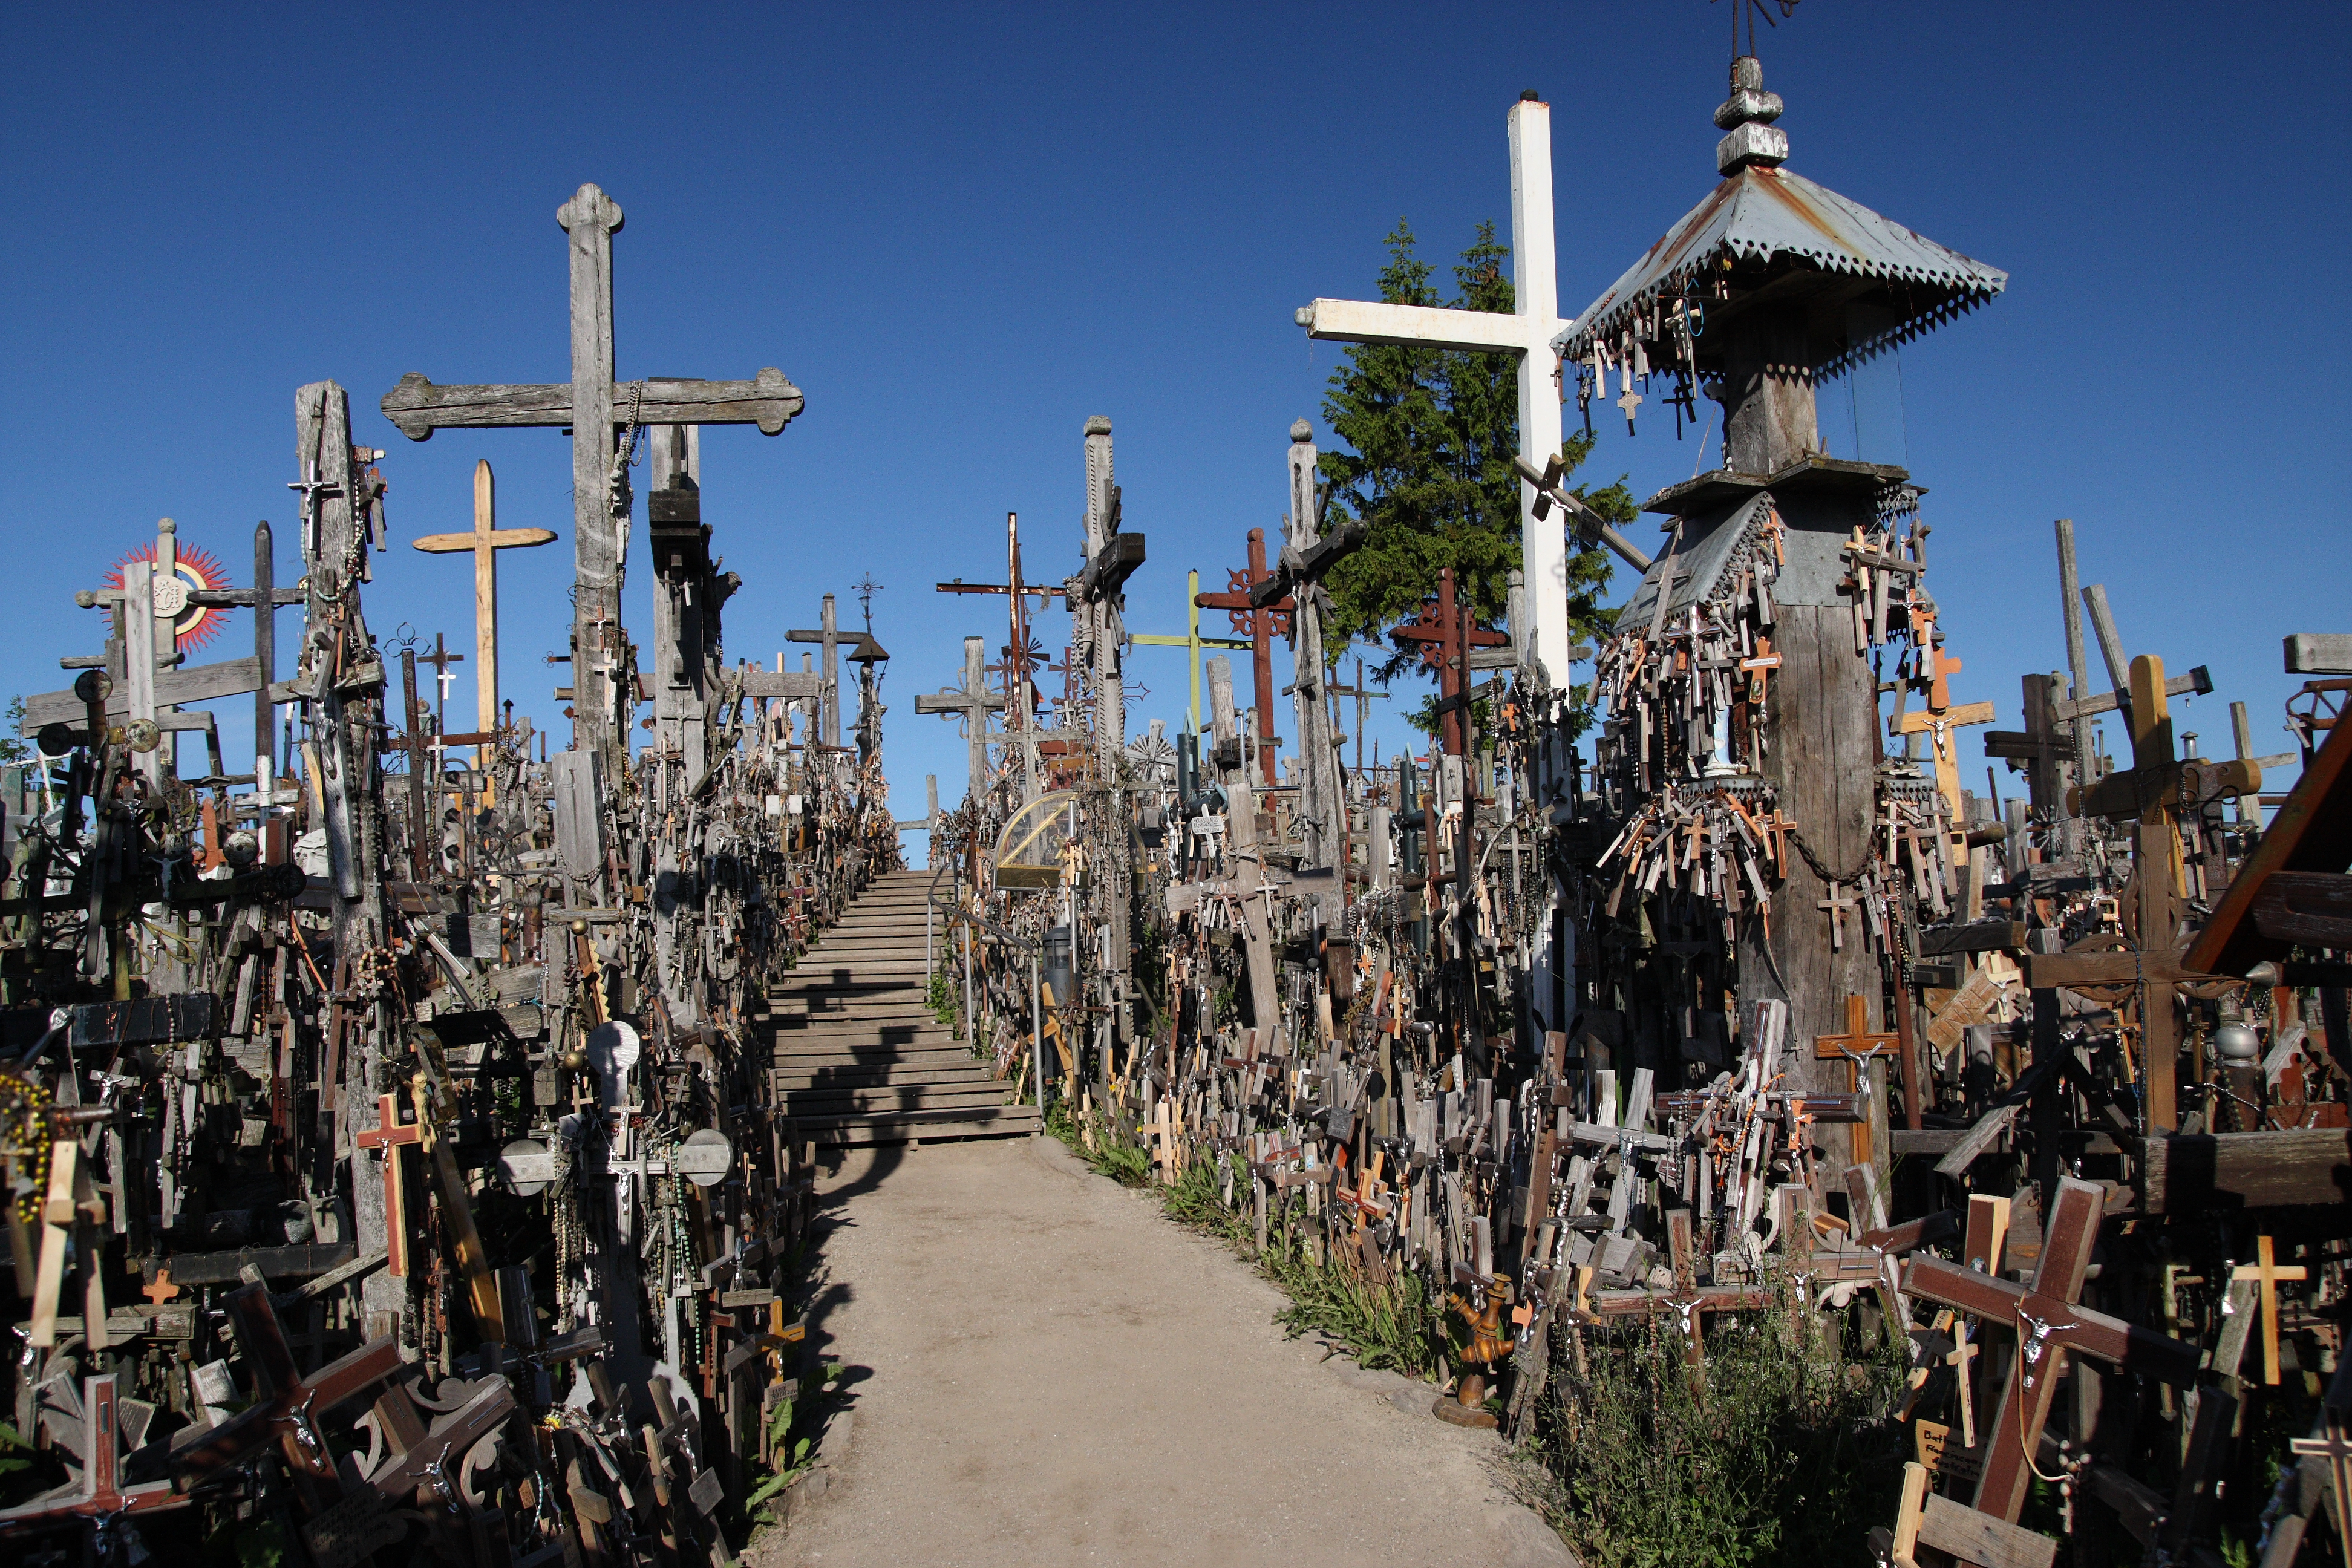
(2248, 1170)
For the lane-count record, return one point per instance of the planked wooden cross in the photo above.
(288, 1409)
(1528, 335)
(1860, 1049)
(2048, 1320)
(485, 543)
(2266, 1273)
(592, 407)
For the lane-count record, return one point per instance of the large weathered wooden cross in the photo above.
(1528, 333)
(1263, 622)
(101, 1496)
(591, 407)
(1860, 1049)
(484, 542)
(391, 1135)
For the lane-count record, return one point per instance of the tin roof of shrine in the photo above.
(1762, 212)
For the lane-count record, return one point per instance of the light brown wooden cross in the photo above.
(2267, 1270)
(163, 1289)
(1963, 1350)
(486, 540)
(1837, 903)
(2336, 1447)
(1858, 1045)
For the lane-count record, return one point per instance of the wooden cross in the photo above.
(1365, 697)
(591, 407)
(1262, 622)
(485, 543)
(1526, 334)
(1446, 632)
(2050, 1321)
(160, 1290)
(2149, 794)
(1837, 903)
(1964, 1349)
(827, 634)
(2269, 1273)
(71, 1210)
(101, 1497)
(391, 1135)
(2040, 748)
(287, 1407)
(1859, 1047)
(2334, 1445)
(1192, 641)
(974, 703)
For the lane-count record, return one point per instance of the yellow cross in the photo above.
(486, 540)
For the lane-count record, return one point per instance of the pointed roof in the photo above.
(1764, 221)
(1762, 214)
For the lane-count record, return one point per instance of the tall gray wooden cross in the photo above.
(828, 632)
(975, 702)
(592, 406)
(1528, 333)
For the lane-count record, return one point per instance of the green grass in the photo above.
(1398, 1323)
(1126, 1162)
(1786, 1456)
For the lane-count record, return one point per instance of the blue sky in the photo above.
(962, 231)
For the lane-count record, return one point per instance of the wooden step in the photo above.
(874, 1056)
(901, 1099)
(784, 1079)
(1011, 1120)
(896, 1036)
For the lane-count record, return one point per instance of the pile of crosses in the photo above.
(1757, 1005)
(392, 1161)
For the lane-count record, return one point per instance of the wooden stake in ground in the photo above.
(2268, 1274)
(485, 541)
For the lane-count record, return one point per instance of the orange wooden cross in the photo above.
(2269, 1273)
(1858, 1045)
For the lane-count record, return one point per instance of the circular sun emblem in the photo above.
(192, 626)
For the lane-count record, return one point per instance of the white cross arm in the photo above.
(1420, 326)
(419, 407)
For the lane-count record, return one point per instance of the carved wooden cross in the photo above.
(2267, 1270)
(2048, 1321)
(391, 1135)
(1446, 633)
(1262, 622)
(485, 543)
(1859, 1047)
(1528, 335)
(974, 703)
(1837, 904)
(591, 406)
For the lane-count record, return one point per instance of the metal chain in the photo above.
(1847, 879)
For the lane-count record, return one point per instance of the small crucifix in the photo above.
(441, 658)
(485, 543)
(1837, 904)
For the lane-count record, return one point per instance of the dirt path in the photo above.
(1048, 1371)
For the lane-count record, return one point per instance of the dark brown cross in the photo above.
(440, 659)
(287, 1407)
(391, 1135)
(1446, 633)
(1263, 623)
(101, 1497)
(2040, 747)
(2048, 1321)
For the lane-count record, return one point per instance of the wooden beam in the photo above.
(2228, 1171)
(419, 407)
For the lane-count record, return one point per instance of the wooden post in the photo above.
(1240, 834)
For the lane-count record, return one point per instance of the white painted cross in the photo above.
(1535, 290)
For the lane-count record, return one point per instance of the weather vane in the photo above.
(1754, 8)
(867, 588)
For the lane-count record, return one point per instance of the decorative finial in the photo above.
(1747, 115)
(1302, 431)
(165, 525)
(1098, 424)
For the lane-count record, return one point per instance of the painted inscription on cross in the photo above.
(594, 409)
(1526, 334)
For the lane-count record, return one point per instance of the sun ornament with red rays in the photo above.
(194, 625)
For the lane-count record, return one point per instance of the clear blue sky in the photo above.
(963, 230)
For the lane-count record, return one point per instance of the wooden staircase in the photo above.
(859, 1056)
